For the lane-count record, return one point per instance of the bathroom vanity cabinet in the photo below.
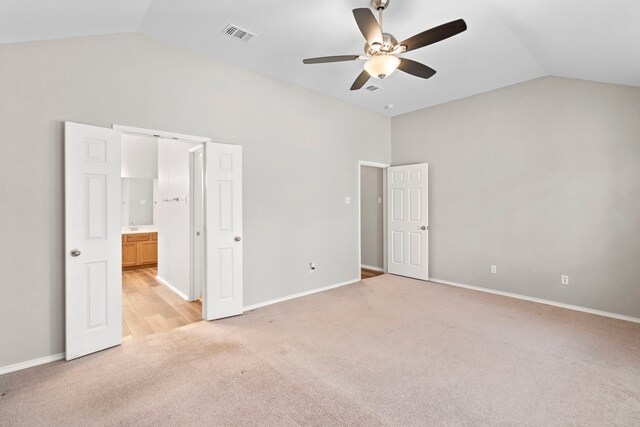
(139, 250)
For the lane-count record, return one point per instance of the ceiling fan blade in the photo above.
(324, 59)
(360, 81)
(368, 25)
(415, 68)
(435, 35)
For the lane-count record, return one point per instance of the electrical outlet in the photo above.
(564, 279)
(494, 269)
(312, 267)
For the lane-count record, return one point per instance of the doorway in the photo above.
(158, 203)
(372, 217)
(403, 203)
(94, 239)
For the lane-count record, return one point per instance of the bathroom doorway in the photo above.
(93, 235)
(162, 246)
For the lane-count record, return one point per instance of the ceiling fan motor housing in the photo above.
(388, 44)
(379, 4)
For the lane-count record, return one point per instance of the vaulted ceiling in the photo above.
(507, 41)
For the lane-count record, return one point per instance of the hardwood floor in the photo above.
(366, 273)
(148, 307)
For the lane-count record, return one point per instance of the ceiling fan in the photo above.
(381, 49)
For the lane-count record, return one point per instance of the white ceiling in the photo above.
(507, 41)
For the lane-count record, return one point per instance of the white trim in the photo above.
(298, 295)
(173, 288)
(371, 267)
(55, 357)
(160, 133)
(192, 156)
(373, 164)
(384, 167)
(540, 301)
(31, 363)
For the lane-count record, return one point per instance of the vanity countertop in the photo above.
(140, 229)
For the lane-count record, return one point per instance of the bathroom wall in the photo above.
(139, 170)
(174, 218)
(139, 156)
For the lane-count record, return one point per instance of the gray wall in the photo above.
(371, 226)
(300, 160)
(540, 179)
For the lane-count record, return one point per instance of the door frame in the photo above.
(192, 161)
(160, 133)
(384, 167)
(186, 138)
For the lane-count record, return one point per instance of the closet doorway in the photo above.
(372, 218)
(393, 219)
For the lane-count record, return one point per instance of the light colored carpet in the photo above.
(384, 351)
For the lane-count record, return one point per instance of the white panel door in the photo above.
(408, 221)
(93, 282)
(223, 225)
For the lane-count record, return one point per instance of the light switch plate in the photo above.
(347, 200)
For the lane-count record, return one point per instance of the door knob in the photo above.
(75, 252)
(423, 228)
(237, 238)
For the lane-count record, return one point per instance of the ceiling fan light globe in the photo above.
(382, 66)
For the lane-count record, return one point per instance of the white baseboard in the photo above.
(47, 359)
(539, 300)
(298, 295)
(371, 267)
(173, 288)
(30, 363)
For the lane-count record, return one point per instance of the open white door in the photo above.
(93, 283)
(223, 216)
(408, 221)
